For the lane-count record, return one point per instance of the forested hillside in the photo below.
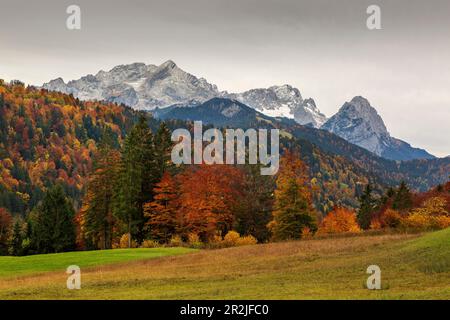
(49, 137)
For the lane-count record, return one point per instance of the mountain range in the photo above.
(156, 88)
(47, 137)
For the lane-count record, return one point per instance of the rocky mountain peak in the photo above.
(282, 101)
(359, 123)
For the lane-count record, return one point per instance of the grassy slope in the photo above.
(412, 268)
(19, 266)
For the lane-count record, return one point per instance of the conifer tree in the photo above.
(163, 148)
(53, 229)
(97, 218)
(402, 198)
(136, 177)
(16, 239)
(293, 210)
(255, 207)
(366, 209)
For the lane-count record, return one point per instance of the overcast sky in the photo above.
(322, 47)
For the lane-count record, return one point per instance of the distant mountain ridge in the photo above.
(223, 112)
(146, 87)
(151, 87)
(282, 101)
(359, 123)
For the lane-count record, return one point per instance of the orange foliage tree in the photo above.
(209, 195)
(340, 220)
(5, 228)
(162, 211)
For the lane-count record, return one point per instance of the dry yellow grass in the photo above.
(328, 268)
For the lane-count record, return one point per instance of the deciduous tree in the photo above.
(293, 210)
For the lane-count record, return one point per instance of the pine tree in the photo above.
(97, 218)
(293, 210)
(163, 148)
(53, 229)
(402, 199)
(255, 207)
(16, 239)
(136, 177)
(366, 209)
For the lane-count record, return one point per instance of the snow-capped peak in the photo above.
(282, 101)
(142, 86)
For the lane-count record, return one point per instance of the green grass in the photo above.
(412, 267)
(19, 266)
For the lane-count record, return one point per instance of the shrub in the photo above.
(124, 242)
(216, 242)
(231, 238)
(246, 241)
(194, 240)
(307, 233)
(390, 219)
(432, 215)
(375, 224)
(417, 221)
(150, 244)
(176, 241)
(441, 222)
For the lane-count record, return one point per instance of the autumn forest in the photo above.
(86, 175)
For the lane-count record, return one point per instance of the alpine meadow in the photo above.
(306, 157)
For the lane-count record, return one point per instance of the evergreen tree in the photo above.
(163, 149)
(366, 209)
(293, 207)
(136, 176)
(97, 218)
(53, 229)
(402, 199)
(16, 239)
(255, 208)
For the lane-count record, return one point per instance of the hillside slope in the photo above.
(412, 267)
(49, 137)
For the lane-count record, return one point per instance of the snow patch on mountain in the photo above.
(282, 101)
(147, 87)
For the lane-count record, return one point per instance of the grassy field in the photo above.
(412, 266)
(19, 266)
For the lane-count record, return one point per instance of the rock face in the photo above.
(282, 101)
(359, 123)
(147, 87)
(139, 86)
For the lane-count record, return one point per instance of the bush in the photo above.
(194, 241)
(307, 233)
(417, 221)
(390, 219)
(246, 241)
(375, 224)
(176, 241)
(441, 222)
(231, 239)
(124, 242)
(150, 244)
